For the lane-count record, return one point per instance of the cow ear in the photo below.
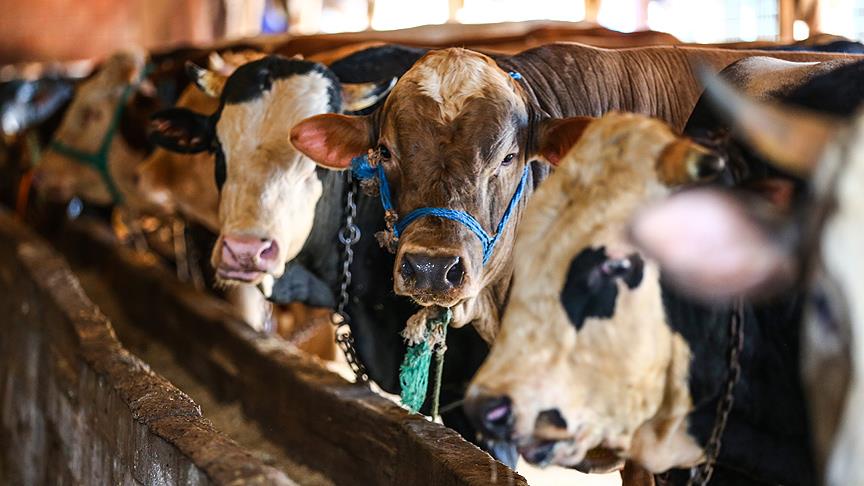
(210, 82)
(714, 246)
(359, 96)
(332, 140)
(180, 130)
(559, 135)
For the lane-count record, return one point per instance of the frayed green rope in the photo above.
(414, 371)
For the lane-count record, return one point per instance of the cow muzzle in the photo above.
(548, 441)
(432, 278)
(245, 259)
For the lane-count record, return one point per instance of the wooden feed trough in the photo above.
(78, 407)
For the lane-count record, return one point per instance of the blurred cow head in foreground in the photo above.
(755, 252)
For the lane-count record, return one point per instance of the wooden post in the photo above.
(786, 18)
(809, 12)
(592, 10)
(454, 7)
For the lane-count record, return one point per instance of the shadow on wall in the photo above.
(46, 30)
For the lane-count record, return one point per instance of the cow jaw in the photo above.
(271, 190)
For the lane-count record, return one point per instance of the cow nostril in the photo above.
(495, 416)
(270, 250)
(406, 270)
(455, 273)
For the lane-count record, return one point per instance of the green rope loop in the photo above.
(414, 371)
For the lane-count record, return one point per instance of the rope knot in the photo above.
(426, 332)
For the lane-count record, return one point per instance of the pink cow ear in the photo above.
(332, 140)
(559, 135)
(713, 247)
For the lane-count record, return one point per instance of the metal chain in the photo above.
(348, 236)
(701, 475)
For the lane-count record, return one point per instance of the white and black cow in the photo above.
(599, 360)
(815, 245)
(280, 215)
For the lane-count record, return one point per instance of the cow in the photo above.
(811, 248)
(464, 131)
(598, 359)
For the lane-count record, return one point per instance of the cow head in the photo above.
(85, 126)
(456, 133)
(180, 182)
(585, 359)
(819, 246)
(268, 190)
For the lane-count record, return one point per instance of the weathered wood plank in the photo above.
(344, 430)
(77, 408)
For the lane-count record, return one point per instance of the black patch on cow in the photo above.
(220, 171)
(251, 80)
(591, 287)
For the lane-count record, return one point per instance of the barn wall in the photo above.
(46, 30)
(79, 409)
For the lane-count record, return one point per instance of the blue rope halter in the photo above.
(99, 159)
(363, 170)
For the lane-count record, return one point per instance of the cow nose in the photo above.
(432, 273)
(249, 253)
(492, 415)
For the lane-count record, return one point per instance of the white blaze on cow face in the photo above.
(271, 189)
(614, 374)
(84, 127)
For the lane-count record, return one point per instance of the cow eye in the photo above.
(508, 160)
(384, 152)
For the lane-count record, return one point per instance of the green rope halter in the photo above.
(99, 159)
(414, 371)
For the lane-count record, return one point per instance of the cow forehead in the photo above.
(452, 77)
(265, 121)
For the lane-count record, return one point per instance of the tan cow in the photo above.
(565, 381)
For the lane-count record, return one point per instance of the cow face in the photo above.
(453, 134)
(818, 246)
(586, 360)
(268, 190)
(84, 127)
(179, 182)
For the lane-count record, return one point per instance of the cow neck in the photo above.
(563, 80)
(768, 415)
(320, 251)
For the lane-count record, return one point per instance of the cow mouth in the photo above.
(238, 275)
(429, 299)
(581, 452)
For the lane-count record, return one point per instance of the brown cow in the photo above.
(458, 131)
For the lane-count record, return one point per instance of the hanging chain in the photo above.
(348, 236)
(701, 475)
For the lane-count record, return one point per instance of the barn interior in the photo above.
(149, 339)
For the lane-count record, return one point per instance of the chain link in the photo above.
(701, 475)
(349, 235)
